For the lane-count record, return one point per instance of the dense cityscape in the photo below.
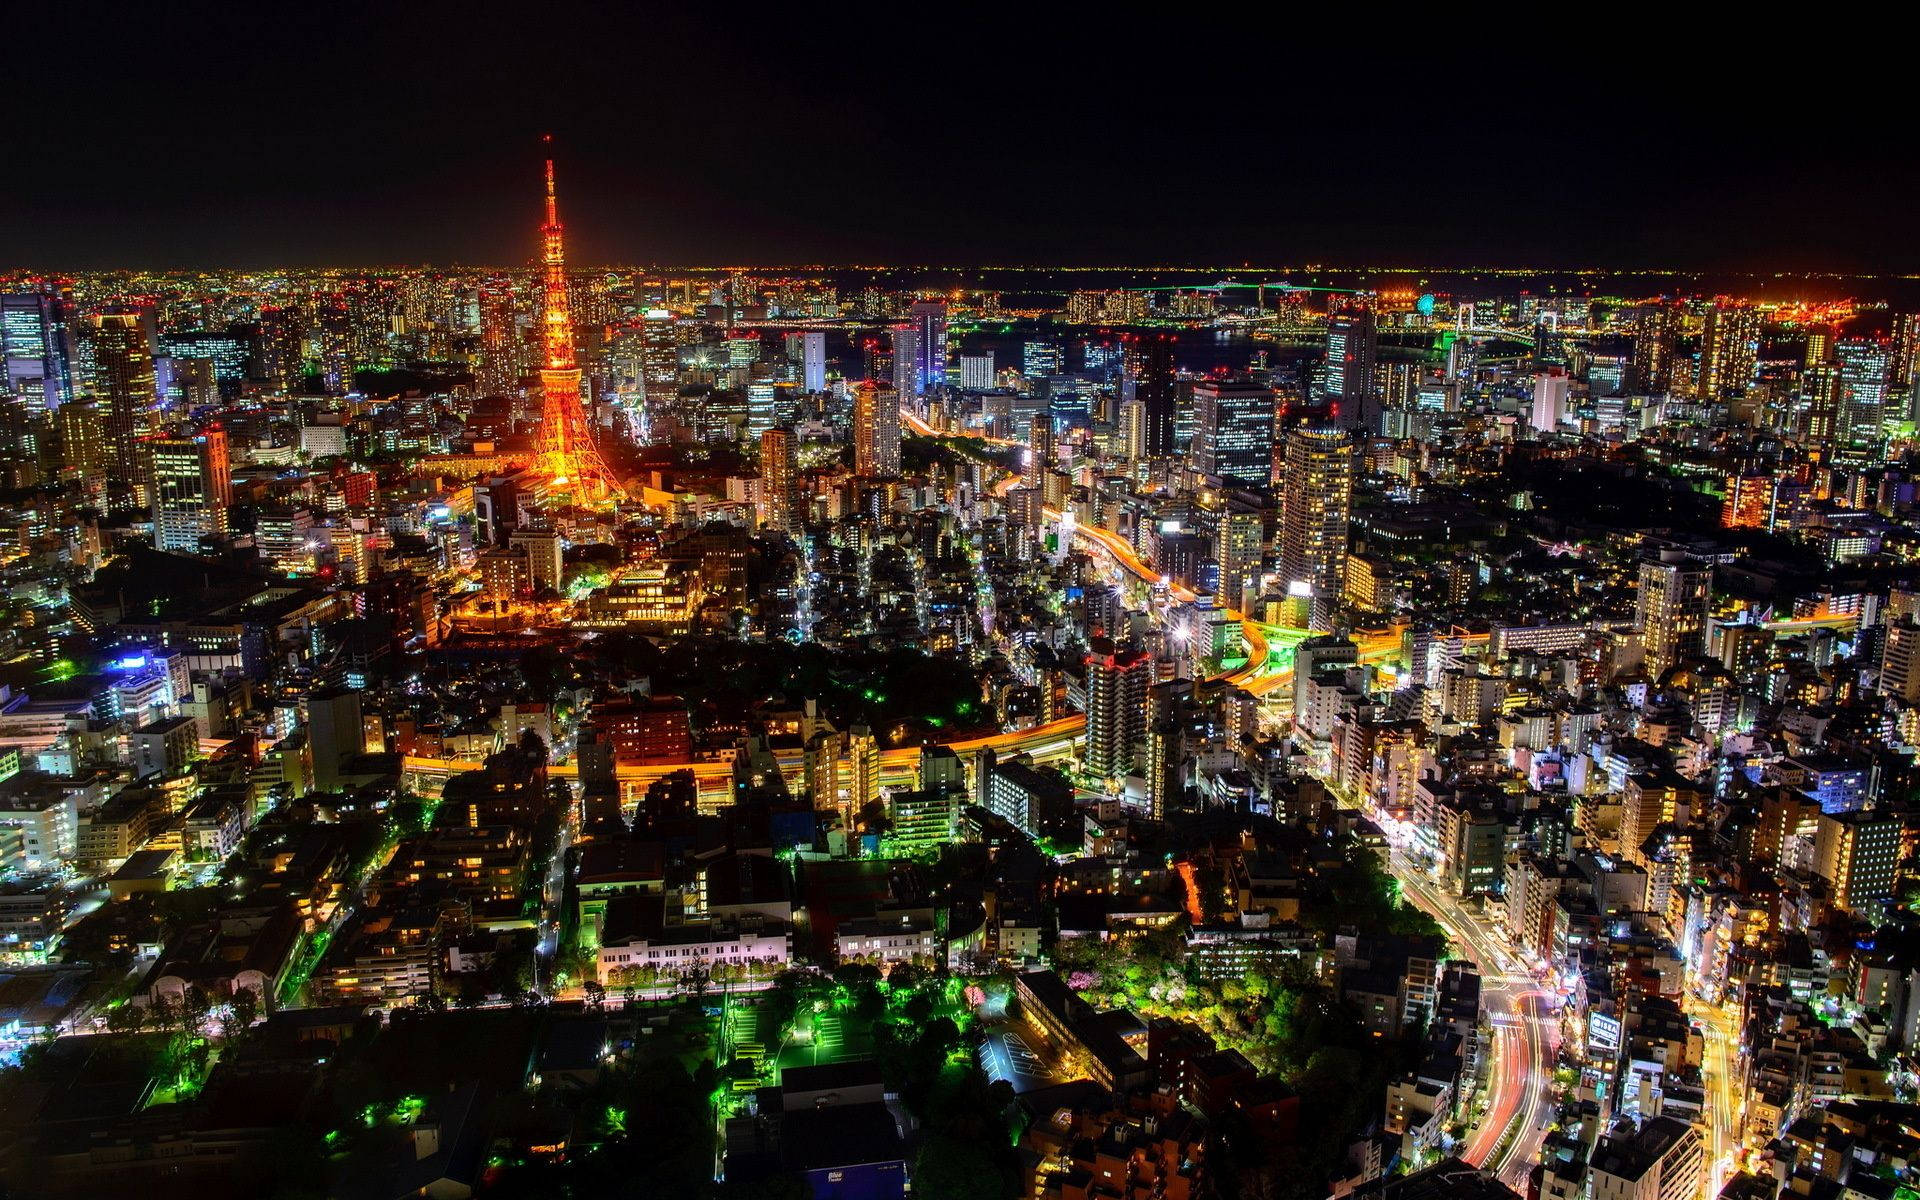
(1021, 733)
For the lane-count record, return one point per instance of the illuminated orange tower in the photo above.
(569, 461)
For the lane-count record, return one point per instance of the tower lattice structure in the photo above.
(570, 463)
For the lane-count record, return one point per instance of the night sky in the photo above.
(263, 135)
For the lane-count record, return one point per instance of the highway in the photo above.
(1525, 1041)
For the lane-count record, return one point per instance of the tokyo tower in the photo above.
(569, 463)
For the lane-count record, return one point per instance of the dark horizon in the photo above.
(211, 139)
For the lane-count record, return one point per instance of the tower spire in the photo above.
(568, 458)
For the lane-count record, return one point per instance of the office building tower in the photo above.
(1655, 328)
(36, 351)
(976, 372)
(1233, 431)
(1729, 351)
(1040, 359)
(876, 431)
(1671, 609)
(809, 350)
(1352, 349)
(762, 413)
(906, 353)
(123, 376)
(1156, 390)
(81, 431)
(1818, 407)
(659, 359)
(929, 318)
(776, 479)
(1131, 429)
(1316, 503)
(1117, 683)
(1900, 660)
(1039, 459)
(1239, 538)
(1906, 351)
(1865, 367)
(503, 358)
(1551, 391)
(192, 486)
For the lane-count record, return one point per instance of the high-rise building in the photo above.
(776, 479)
(812, 346)
(1865, 367)
(876, 431)
(762, 407)
(1040, 359)
(1116, 707)
(1155, 389)
(1655, 327)
(546, 556)
(192, 488)
(906, 351)
(1671, 608)
(36, 351)
(1039, 461)
(1237, 545)
(82, 435)
(659, 359)
(1729, 350)
(1551, 389)
(1316, 503)
(1900, 660)
(1818, 408)
(1858, 854)
(1352, 348)
(976, 371)
(1233, 431)
(929, 319)
(123, 375)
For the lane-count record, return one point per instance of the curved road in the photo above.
(1507, 1140)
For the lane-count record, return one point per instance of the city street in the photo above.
(1508, 1137)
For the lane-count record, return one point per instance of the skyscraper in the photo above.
(1671, 608)
(1233, 431)
(1116, 707)
(1551, 389)
(659, 359)
(82, 435)
(36, 351)
(776, 479)
(123, 374)
(1653, 337)
(1155, 390)
(929, 319)
(1865, 367)
(976, 371)
(1352, 348)
(906, 354)
(1316, 500)
(876, 431)
(813, 361)
(1729, 350)
(1039, 459)
(192, 489)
